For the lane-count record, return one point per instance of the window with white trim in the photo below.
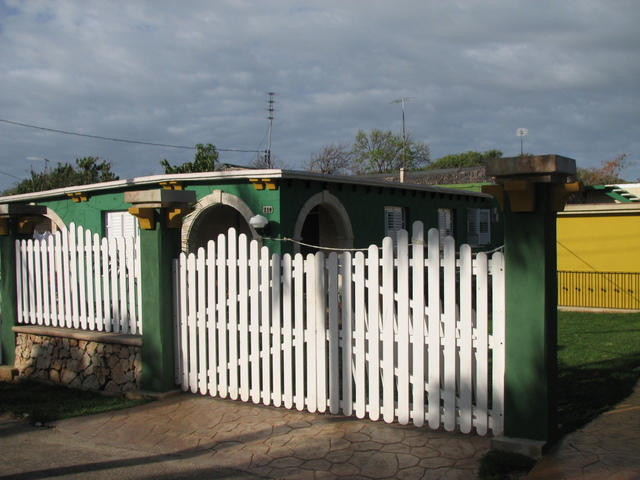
(478, 226)
(121, 225)
(394, 221)
(445, 223)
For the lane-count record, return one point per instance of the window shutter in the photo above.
(484, 224)
(445, 223)
(394, 222)
(478, 226)
(121, 225)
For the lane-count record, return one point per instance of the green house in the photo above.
(304, 211)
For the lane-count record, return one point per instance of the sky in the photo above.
(159, 77)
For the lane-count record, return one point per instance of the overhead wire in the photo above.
(112, 139)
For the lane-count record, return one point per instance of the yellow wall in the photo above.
(602, 238)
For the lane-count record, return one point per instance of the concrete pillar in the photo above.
(531, 190)
(16, 222)
(9, 314)
(160, 215)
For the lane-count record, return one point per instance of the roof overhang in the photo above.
(217, 177)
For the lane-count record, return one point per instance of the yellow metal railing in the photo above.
(599, 289)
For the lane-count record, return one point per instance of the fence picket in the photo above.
(232, 322)
(192, 323)
(201, 319)
(333, 355)
(243, 315)
(287, 330)
(183, 318)
(130, 293)
(79, 253)
(403, 319)
(254, 326)
(482, 343)
(433, 311)
(223, 304)
(89, 276)
(265, 325)
(52, 279)
(311, 353)
(465, 342)
(346, 340)
(449, 323)
(387, 328)
(212, 318)
(373, 330)
(320, 326)
(300, 328)
(418, 332)
(498, 317)
(276, 339)
(122, 286)
(359, 334)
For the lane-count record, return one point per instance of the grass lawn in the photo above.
(598, 363)
(598, 367)
(39, 403)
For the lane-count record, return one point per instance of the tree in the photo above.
(464, 160)
(267, 161)
(607, 173)
(88, 170)
(333, 159)
(205, 160)
(383, 152)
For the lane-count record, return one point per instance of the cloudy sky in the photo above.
(181, 73)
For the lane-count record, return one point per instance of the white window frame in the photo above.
(478, 226)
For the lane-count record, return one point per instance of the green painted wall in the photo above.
(89, 214)
(364, 204)
(365, 207)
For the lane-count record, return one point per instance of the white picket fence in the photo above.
(76, 279)
(406, 333)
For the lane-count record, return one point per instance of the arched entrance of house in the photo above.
(215, 214)
(323, 222)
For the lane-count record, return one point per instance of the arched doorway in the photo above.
(323, 222)
(215, 214)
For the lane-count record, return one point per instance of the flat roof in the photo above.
(204, 177)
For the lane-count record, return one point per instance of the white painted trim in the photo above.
(217, 197)
(325, 198)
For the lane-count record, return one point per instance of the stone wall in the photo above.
(79, 359)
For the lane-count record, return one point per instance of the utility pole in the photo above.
(270, 117)
(404, 140)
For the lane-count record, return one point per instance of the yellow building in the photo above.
(598, 254)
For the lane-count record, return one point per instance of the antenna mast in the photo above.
(522, 132)
(404, 140)
(270, 117)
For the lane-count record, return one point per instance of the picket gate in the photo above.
(76, 279)
(409, 332)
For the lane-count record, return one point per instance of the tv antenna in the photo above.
(522, 132)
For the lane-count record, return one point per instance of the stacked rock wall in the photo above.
(80, 362)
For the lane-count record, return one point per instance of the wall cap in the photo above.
(75, 334)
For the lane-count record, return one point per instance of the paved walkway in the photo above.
(608, 448)
(198, 437)
(267, 442)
